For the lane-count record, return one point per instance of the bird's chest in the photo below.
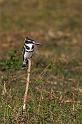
(28, 55)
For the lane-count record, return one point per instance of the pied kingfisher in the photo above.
(28, 50)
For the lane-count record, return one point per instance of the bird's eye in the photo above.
(32, 46)
(27, 47)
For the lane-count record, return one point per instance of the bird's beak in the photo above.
(37, 43)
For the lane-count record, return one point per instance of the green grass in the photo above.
(53, 96)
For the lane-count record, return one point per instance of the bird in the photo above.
(28, 50)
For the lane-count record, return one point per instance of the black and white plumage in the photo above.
(28, 50)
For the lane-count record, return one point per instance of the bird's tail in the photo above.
(25, 64)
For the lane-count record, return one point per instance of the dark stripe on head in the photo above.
(29, 41)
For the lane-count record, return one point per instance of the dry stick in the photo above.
(4, 89)
(27, 83)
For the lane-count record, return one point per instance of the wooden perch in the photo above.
(27, 83)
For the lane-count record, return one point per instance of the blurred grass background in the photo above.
(55, 91)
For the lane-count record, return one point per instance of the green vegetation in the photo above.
(55, 90)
